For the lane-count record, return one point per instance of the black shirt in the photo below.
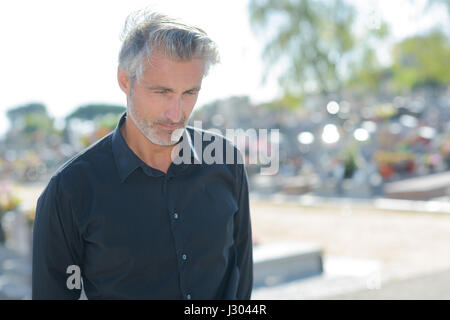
(135, 232)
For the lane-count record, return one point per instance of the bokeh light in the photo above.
(305, 137)
(333, 107)
(330, 134)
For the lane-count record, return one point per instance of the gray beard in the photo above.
(149, 130)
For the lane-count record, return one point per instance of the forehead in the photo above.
(161, 68)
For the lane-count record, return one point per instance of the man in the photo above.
(126, 217)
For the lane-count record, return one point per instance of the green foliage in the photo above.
(30, 118)
(369, 72)
(366, 72)
(288, 101)
(16, 113)
(92, 111)
(421, 60)
(108, 121)
(38, 122)
(313, 39)
(319, 50)
(8, 202)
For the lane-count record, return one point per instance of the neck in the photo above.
(155, 156)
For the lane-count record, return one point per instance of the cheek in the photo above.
(148, 105)
(190, 103)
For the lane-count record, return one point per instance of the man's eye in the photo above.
(163, 91)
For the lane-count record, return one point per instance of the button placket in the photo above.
(175, 216)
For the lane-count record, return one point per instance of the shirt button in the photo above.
(188, 296)
(184, 257)
(175, 216)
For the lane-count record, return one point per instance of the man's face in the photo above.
(162, 101)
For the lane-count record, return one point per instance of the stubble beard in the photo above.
(153, 133)
(151, 130)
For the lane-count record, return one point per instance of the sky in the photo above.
(64, 53)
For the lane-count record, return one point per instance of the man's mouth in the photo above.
(169, 126)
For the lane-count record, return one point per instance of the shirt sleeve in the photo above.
(56, 247)
(243, 239)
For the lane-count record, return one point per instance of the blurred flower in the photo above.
(8, 200)
(385, 111)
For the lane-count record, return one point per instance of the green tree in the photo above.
(421, 61)
(17, 114)
(368, 74)
(38, 123)
(92, 111)
(30, 124)
(314, 39)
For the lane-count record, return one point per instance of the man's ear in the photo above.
(124, 80)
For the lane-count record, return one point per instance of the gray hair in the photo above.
(145, 32)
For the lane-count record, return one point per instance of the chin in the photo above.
(161, 139)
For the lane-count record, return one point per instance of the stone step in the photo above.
(279, 262)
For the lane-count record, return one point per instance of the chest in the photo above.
(147, 223)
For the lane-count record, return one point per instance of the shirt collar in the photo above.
(127, 161)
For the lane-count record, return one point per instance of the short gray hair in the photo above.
(146, 31)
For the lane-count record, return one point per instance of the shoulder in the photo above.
(80, 168)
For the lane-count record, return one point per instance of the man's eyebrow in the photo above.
(170, 89)
(159, 88)
(194, 89)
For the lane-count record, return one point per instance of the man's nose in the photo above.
(174, 110)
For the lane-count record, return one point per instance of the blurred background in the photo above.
(360, 93)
